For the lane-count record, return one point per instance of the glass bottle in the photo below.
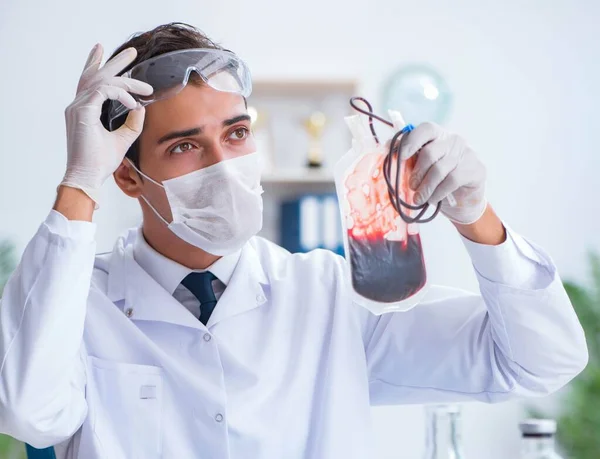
(538, 439)
(443, 435)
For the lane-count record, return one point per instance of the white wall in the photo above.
(524, 74)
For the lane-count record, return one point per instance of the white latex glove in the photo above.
(447, 170)
(93, 153)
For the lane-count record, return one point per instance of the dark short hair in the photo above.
(160, 40)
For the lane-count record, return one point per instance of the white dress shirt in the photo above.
(169, 273)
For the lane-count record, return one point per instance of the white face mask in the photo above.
(218, 208)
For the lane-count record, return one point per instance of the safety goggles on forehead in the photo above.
(169, 73)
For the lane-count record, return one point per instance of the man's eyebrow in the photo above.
(178, 134)
(198, 130)
(236, 119)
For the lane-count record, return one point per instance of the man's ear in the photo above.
(128, 179)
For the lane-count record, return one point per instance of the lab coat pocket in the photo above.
(127, 418)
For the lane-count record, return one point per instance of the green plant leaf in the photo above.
(7, 262)
(11, 448)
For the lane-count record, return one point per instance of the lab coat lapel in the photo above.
(245, 290)
(145, 299)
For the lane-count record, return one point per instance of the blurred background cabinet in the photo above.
(300, 133)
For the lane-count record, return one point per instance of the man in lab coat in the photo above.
(195, 339)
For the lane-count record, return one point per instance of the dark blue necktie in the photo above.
(200, 284)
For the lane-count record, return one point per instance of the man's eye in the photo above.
(182, 147)
(239, 134)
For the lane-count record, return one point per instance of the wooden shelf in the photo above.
(301, 176)
(303, 86)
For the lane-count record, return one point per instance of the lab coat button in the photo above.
(219, 417)
(129, 312)
(260, 298)
(207, 337)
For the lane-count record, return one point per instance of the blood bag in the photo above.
(383, 248)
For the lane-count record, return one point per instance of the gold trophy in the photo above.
(315, 124)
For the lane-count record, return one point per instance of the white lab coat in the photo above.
(98, 357)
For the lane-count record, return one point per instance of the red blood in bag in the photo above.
(385, 252)
(387, 271)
